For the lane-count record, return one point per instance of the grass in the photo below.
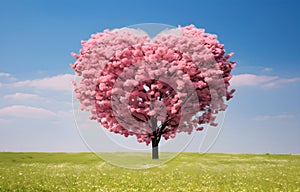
(187, 172)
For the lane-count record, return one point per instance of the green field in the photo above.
(187, 172)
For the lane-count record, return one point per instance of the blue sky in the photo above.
(36, 39)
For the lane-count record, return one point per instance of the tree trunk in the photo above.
(154, 148)
(156, 138)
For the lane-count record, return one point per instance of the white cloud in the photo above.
(22, 97)
(281, 81)
(261, 81)
(4, 74)
(267, 69)
(272, 117)
(7, 76)
(26, 112)
(58, 83)
(251, 79)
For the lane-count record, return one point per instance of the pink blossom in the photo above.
(128, 81)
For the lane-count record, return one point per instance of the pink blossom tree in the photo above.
(153, 88)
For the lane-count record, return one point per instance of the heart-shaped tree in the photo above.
(153, 88)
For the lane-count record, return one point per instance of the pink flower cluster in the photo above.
(148, 88)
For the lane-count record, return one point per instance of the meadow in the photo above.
(186, 172)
